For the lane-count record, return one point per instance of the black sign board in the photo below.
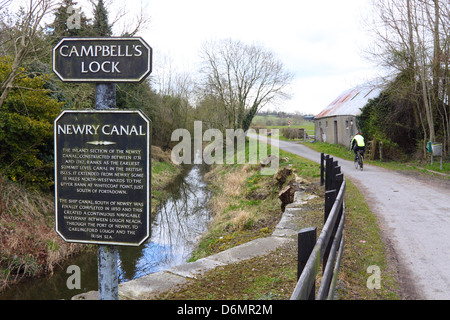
(102, 176)
(102, 59)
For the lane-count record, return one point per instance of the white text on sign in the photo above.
(104, 51)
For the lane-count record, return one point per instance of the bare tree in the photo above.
(242, 78)
(28, 27)
(411, 37)
(4, 4)
(123, 19)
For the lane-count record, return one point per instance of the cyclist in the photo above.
(357, 143)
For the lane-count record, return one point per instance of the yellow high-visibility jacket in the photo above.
(359, 139)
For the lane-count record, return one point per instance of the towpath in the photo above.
(414, 215)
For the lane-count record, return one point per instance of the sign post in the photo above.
(107, 256)
(102, 156)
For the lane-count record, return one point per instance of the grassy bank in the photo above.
(163, 172)
(247, 207)
(246, 203)
(418, 166)
(29, 244)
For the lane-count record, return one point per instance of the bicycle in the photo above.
(359, 161)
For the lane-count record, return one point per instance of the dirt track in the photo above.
(415, 218)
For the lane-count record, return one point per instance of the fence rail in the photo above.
(328, 248)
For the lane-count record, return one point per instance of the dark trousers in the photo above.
(356, 148)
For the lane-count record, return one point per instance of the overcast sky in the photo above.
(318, 41)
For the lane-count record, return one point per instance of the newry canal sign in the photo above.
(102, 176)
(102, 59)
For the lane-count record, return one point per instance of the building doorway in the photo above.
(336, 140)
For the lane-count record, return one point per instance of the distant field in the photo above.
(309, 127)
(274, 122)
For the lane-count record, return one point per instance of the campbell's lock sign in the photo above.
(102, 59)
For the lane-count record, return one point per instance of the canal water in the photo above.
(177, 225)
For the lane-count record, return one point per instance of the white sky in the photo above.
(318, 41)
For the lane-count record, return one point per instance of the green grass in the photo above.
(364, 247)
(162, 173)
(332, 149)
(437, 166)
(274, 276)
(413, 165)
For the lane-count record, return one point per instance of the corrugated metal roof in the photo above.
(351, 101)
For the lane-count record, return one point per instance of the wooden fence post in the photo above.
(334, 165)
(306, 242)
(328, 172)
(322, 169)
(330, 198)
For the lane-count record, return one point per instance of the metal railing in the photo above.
(329, 247)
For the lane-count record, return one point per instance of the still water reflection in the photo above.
(177, 225)
(176, 228)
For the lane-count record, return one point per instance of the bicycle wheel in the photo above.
(356, 162)
(360, 160)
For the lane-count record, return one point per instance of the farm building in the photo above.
(336, 123)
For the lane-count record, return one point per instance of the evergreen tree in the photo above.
(69, 22)
(101, 26)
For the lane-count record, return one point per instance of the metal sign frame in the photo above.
(147, 212)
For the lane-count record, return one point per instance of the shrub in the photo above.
(26, 129)
(389, 119)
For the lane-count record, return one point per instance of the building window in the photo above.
(346, 124)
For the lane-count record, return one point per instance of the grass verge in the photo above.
(364, 248)
(418, 166)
